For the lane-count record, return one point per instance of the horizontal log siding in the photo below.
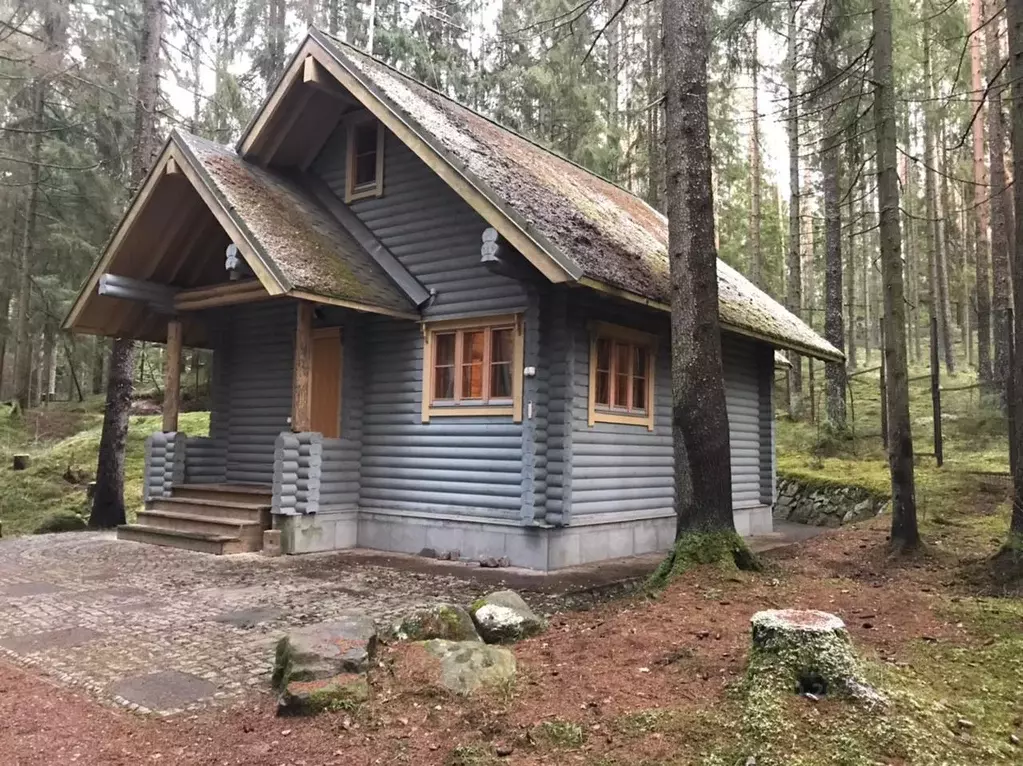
(618, 468)
(205, 460)
(339, 474)
(559, 361)
(768, 456)
(626, 468)
(468, 466)
(742, 395)
(257, 357)
(429, 228)
(536, 398)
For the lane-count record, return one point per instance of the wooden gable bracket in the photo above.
(316, 76)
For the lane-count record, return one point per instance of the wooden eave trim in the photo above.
(266, 271)
(227, 294)
(354, 305)
(514, 409)
(101, 266)
(556, 269)
(727, 326)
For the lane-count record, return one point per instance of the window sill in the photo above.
(371, 191)
(598, 416)
(457, 411)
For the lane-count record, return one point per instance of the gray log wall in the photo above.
(205, 460)
(297, 463)
(427, 227)
(164, 464)
(462, 465)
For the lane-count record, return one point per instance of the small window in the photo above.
(365, 160)
(473, 368)
(621, 376)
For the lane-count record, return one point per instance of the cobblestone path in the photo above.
(163, 630)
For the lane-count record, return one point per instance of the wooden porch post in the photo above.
(172, 377)
(301, 399)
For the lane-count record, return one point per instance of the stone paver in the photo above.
(163, 630)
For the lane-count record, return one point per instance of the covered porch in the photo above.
(219, 254)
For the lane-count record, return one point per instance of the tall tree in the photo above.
(1001, 290)
(852, 161)
(1014, 17)
(794, 285)
(756, 253)
(981, 192)
(940, 308)
(830, 157)
(905, 534)
(108, 499)
(703, 498)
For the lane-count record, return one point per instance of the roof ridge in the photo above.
(482, 116)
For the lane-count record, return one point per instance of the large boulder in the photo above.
(503, 617)
(466, 666)
(323, 665)
(444, 621)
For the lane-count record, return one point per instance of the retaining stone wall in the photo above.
(825, 505)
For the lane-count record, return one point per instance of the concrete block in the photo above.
(271, 542)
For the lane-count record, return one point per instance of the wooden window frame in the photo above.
(599, 414)
(352, 192)
(454, 408)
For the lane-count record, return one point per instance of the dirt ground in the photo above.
(590, 690)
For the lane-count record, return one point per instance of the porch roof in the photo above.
(200, 197)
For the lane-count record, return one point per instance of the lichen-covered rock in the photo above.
(326, 655)
(466, 666)
(345, 691)
(445, 621)
(828, 505)
(805, 652)
(503, 617)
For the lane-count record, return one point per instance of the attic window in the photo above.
(365, 160)
(621, 376)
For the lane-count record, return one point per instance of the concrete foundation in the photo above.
(543, 548)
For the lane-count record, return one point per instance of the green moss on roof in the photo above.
(613, 236)
(303, 242)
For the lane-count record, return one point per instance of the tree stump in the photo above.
(20, 462)
(806, 652)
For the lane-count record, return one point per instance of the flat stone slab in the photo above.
(117, 593)
(249, 618)
(164, 690)
(65, 638)
(23, 589)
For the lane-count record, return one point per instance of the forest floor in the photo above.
(656, 681)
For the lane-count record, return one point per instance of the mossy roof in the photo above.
(610, 235)
(304, 244)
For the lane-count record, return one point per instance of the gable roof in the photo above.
(572, 224)
(294, 246)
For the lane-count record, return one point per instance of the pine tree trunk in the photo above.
(22, 348)
(794, 285)
(866, 245)
(1001, 290)
(831, 141)
(703, 493)
(913, 314)
(905, 534)
(756, 254)
(108, 501)
(980, 202)
(935, 220)
(941, 263)
(852, 148)
(1014, 17)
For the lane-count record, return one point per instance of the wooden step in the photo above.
(214, 509)
(230, 493)
(190, 541)
(249, 531)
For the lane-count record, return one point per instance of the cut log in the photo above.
(20, 462)
(806, 652)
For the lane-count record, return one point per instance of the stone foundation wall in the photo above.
(825, 505)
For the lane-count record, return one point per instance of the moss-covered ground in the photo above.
(62, 441)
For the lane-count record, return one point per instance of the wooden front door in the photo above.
(326, 382)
